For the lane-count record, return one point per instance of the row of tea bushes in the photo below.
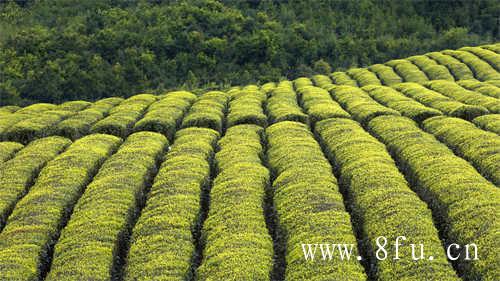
(208, 111)
(364, 76)
(342, 78)
(480, 147)
(322, 81)
(162, 243)
(386, 74)
(406, 106)
(408, 71)
(319, 105)
(8, 149)
(165, 115)
(79, 124)
(440, 102)
(282, 104)
(35, 223)
(458, 69)
(431, 68)
(19, 173)
(490, 122)
(481, 69)
(359, 104)
(308, 204)
(121, 119)
(247, 107)
(480, 87)
(454, 91)
(91, 245)
(484, 54)
(8, 109)
(383, 204)
(238, 244)
(464, 203)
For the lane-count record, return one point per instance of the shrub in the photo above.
(406, 106)
(383, 204)
(460, 94)
(364, 76)
(319, 105)
(408, 71)
(165, 115)
(359, 104)
(162, 242)
(19, 173)
(302, 82)
(488, 56)
(37, 108)
(107, 207)
(342, 78)
(431, 69)
(490, 122)
(484, 88)
(479, 147)
(8, 109)
(386, 74)
(122, 118)
(309, 206)
(282, 104)
(322, 80)
(208, 111)
(79, 124)
(458, 69)
(268, 87)
(238, 244)
(38, 126)
(36, 221)
(246, 107)
(74, 105)
(438, 101)
(492, 47)
(464, 203)
(8, 150)
(481, 69)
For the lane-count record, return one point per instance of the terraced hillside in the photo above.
(230, 185)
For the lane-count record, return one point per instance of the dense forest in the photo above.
(57, 50)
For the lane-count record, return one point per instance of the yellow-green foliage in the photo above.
(456, 92)
(438, 101)
(458, 69)
(309, 206)
(490, 122)
(492, 47)
(79, 124)
(465, 204)
(74, 105)
(8, 109)
(238, 244)
(383, 203)
(165, 115)
(37, 108)
(364, 76)
(282, 104)
(359, 104)
(481, 69)
(302, 82)
(162, 243)
(481, 87)
(408, 71)
(23, 114)
(36, 220)
(495, 83)
(406, 106)
(246, 107)
(342, 78)
(480, 147)
(386, 74)
(39, 126)
(267, 87)
(322, 81)
(122, 118)
(8, 149)
(487, 55)
(18, 174)
(208, 111)
(319, 105)
(90, 244)
(430, 67)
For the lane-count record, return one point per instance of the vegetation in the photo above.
(58, 50)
